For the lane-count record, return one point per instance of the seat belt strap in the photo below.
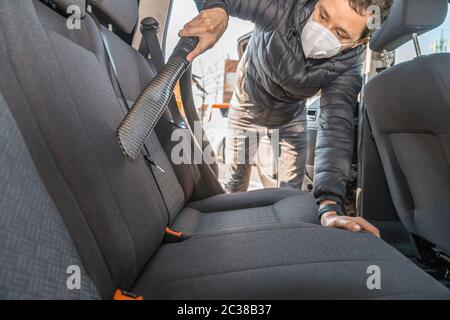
(150, 42)
(145, 152)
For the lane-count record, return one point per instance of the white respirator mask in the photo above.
(319, 42)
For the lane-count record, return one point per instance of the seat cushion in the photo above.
(301, 261)
(244, 210)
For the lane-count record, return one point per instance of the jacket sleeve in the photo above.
(335, 140)
(262, 13)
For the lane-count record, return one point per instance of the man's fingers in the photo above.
(192, 32)
(196, 52)
(202, 45)
(350, 224)
(368, 227)
(347, 224)
(194, 23)
(209, 27)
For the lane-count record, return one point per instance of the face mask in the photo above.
(319, 42)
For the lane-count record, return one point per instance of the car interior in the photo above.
(158, 230)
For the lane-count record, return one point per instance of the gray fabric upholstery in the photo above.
(121, 13)
(134, 73)
(243, 200)
(246, 210)
(53, 178)
(35, 247)
(294, 262)
(410, 118)
(63, 5)
(408, 17)
(77, 111)
(168, 183)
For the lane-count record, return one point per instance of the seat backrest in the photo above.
(55, 81)
(32, 233)
(134, 73)
(409, 110)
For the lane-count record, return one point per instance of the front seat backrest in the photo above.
(409, 110)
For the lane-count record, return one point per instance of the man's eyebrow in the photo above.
(324, 11)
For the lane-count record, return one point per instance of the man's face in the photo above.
(342, 20)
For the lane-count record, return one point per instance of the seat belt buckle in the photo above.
(173, 236)
(124, 295)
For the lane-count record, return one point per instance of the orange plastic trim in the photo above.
(174, 233)
(122, 295)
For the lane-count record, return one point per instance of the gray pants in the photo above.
(288, 143)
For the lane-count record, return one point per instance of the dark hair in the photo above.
(361, 6)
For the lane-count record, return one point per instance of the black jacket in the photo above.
(278, 79)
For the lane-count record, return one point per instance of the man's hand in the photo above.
(333, 220)
(208, 26)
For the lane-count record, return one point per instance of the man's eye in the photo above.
(322, 17)
(342, 36)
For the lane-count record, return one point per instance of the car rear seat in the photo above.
(222, 212)
(58, 91)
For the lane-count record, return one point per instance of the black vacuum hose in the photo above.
(137, 126)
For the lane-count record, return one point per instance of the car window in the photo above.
(435, 41)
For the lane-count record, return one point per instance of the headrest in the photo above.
(121, 13)
(408, 17)
(63, 5)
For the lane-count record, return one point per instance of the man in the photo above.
(298, 48)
